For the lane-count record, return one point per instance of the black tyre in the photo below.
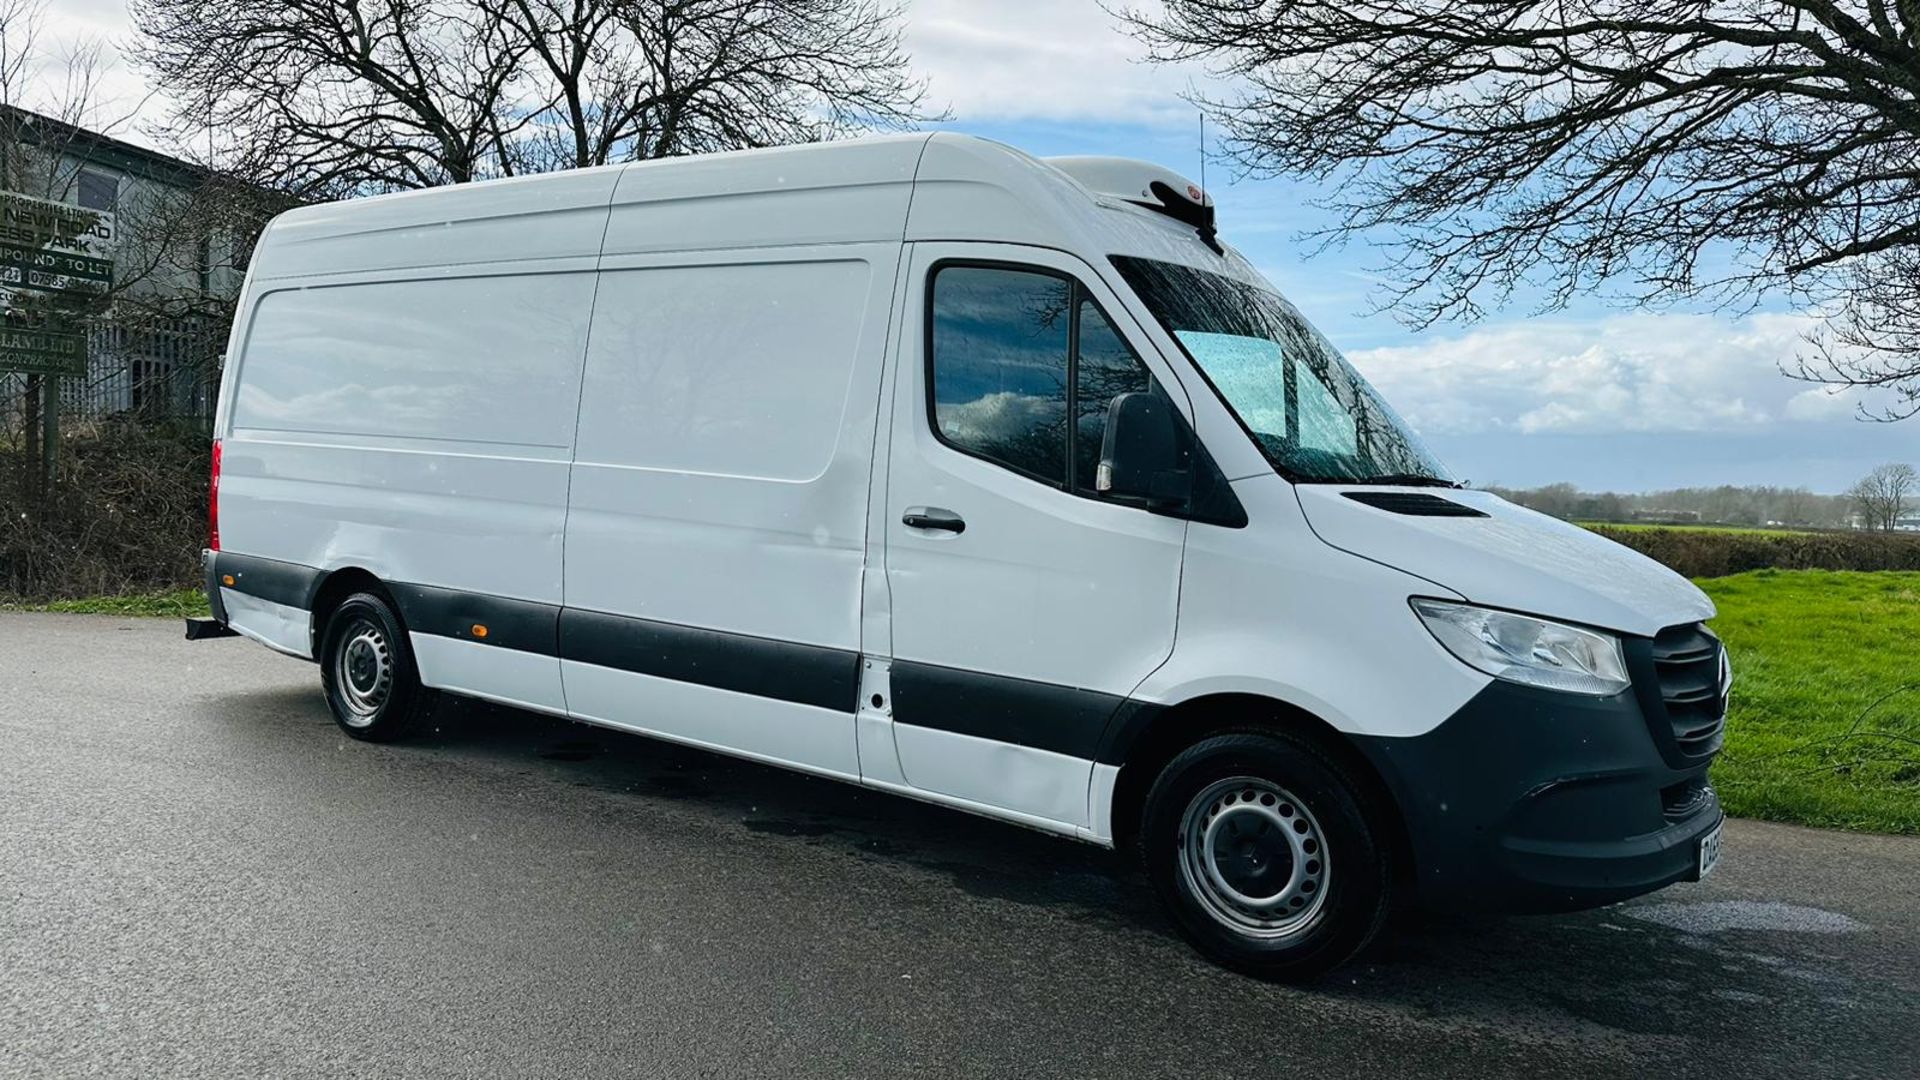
(367, 668)
(1265, 853)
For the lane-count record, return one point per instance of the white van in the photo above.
(930, 466)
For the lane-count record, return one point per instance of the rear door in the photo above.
(1024, 606)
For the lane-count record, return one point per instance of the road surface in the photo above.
(199, 876)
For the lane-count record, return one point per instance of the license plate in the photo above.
(1709, 852)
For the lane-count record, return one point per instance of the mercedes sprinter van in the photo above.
(923, 464)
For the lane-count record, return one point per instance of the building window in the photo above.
(98, 191)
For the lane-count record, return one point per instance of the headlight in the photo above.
(1523, 649)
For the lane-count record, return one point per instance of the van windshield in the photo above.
(1313, 415)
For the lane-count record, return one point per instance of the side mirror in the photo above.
(1143, 454)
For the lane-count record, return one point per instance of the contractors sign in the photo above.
(52, 258)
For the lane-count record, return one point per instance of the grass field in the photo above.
(1825, 725)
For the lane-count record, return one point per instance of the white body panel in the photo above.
(1516, 559)
(521, 679)
(275, 625)
(1268, 611)
(1030, 781)
(687, 402)
(698, 497)
(745, 725)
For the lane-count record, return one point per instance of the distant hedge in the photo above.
(1716, 553)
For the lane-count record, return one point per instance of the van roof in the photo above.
(943, 186)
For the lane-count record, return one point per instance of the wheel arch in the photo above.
(1150, 745)
(333, 588)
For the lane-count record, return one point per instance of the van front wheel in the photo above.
(1261, 849)
(367, 669)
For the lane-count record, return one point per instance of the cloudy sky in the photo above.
(1605, 397)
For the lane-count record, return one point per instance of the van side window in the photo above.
(1104, 368)
(1000, 340)
(1016, 353)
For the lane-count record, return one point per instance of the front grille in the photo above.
(1692, 667)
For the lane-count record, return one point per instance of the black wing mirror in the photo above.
(1144, 453)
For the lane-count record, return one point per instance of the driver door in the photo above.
(1025, 606)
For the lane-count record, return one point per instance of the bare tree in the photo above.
(325, 97)
(1656, 149)
(1882, 495)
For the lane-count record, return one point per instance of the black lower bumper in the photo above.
(215, 627)
(1527, 800)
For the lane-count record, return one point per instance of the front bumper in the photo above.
(1527, 800)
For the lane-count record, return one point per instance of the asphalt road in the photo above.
(200, 876)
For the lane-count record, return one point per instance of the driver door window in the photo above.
(1015, 353)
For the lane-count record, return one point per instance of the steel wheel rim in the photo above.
(1255, 857)
(363, 670)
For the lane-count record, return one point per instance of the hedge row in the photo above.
(128, 515)
(1716, 553)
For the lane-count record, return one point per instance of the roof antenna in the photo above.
(1203, 152)
(1209, 233)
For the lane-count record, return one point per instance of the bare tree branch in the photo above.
(330, 98)
(1657, 150)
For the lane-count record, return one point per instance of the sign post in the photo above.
(54, 259)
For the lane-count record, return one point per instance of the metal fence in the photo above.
(153, 370)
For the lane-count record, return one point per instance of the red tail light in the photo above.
(213, 502)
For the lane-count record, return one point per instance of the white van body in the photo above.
(653, 429)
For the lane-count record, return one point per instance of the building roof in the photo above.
(98, 149)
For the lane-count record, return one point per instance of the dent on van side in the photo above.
(992, 481)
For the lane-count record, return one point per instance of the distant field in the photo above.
(1648, 527)
(1825, 721)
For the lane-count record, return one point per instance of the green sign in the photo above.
(52, 255)
(46, 270)
(41, 351)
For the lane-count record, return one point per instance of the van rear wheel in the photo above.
(1261, 848)
(367, 669)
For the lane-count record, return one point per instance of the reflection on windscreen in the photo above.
(1313, 415)
(1257, 376)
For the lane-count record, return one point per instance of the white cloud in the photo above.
(119, 103)
(1039, 60)
(1817, 403)
(1637, 372)
(997, 417)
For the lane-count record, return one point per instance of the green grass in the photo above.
(178, 603)
(1825, 722)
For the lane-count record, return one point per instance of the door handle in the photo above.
(933, 517)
